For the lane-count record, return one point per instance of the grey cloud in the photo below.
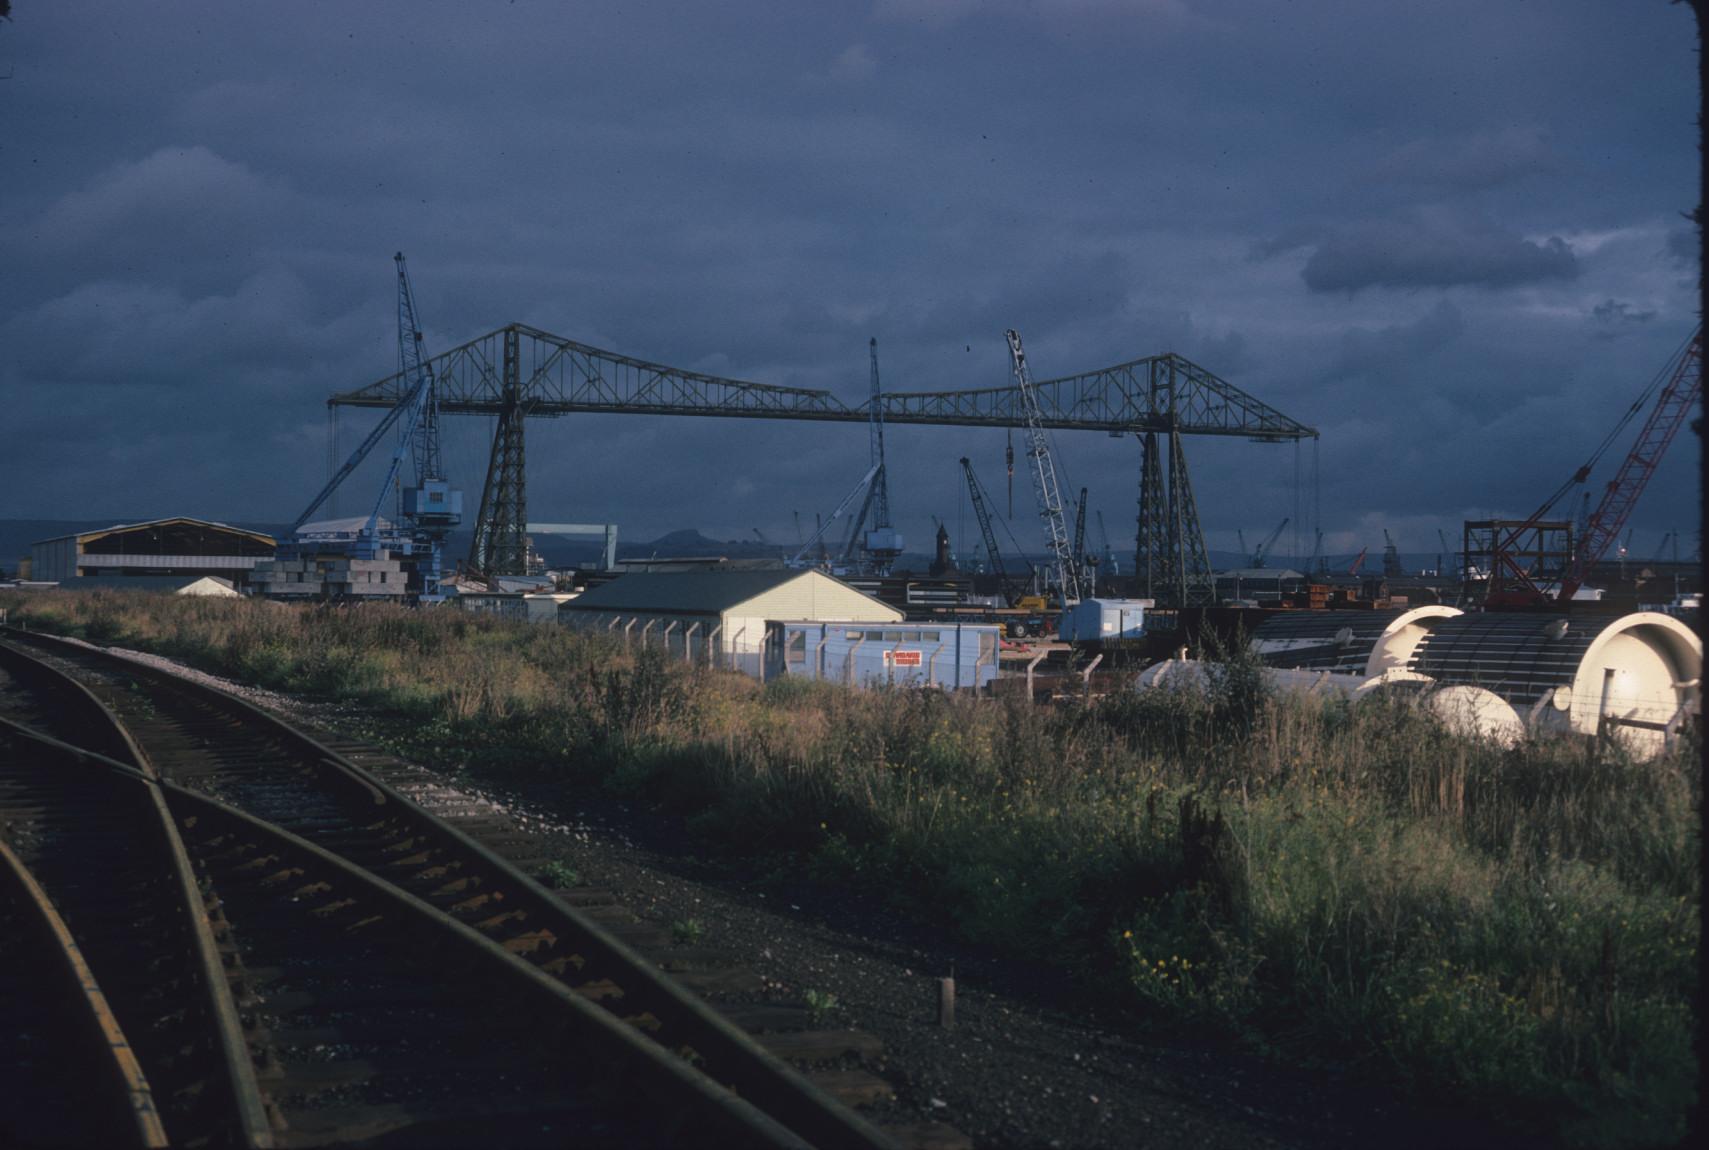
(1433, 248)
(1468, 162)
(1364, 352)
(1685, 246)
(205, 224)
(1618, 311)
(1616, 318)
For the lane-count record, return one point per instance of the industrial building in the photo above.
(718, 616)
(178, 546)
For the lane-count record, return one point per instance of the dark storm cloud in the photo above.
(1433, 247)
(198, 210)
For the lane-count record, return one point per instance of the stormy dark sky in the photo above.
(1448, 235)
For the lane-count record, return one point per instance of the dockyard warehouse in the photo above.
(178, 546)
(717, 616)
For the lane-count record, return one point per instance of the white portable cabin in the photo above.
(951, 656)
(1103, 620)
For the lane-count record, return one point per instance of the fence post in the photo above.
(650, 625)
(628, 627)
(688, 640)
(819, 655)
(848, 676)
(1037, 659)
(710, 639)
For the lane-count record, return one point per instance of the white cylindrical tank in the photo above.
(1633, 677)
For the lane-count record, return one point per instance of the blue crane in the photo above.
(426, 511)
(1262, 552)
(882, 543)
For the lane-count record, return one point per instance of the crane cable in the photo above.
(1583, 473)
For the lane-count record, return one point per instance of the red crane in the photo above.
(1674, 401)
(1672, 407)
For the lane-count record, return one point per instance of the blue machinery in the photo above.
(426, 511)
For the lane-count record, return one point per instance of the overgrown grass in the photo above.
(1516, 928)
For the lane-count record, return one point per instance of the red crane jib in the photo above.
(1672, 407)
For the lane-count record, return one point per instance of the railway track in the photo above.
(208, 745)
(98, 855)
(367, 1017)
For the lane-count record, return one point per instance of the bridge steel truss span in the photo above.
(519, 372)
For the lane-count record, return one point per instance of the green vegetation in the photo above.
(687, 931)
(560, 875)
(820, 1006)
(1516, 929)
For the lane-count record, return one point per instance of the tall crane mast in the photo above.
(1391, 557)
(1044, 479)
(429, 509)
(1109, 556)
(976, 493)
(1080, 530)
(880, 542)
(412, 365)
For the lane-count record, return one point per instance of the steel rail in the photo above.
(541, 930)
(242, 1102)
(706, 1109)
(123, 1089)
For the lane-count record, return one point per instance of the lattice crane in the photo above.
(1677, 389)
(1044, 479)
(982, 514)
(1262, 553)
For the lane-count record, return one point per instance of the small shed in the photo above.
(719, 616)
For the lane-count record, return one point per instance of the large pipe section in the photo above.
(1632, 678)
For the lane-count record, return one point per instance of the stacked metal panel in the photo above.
(330, 578)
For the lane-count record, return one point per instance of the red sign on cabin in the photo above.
(902, 658)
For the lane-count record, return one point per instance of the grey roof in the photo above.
(138, 582)
(686, 592)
